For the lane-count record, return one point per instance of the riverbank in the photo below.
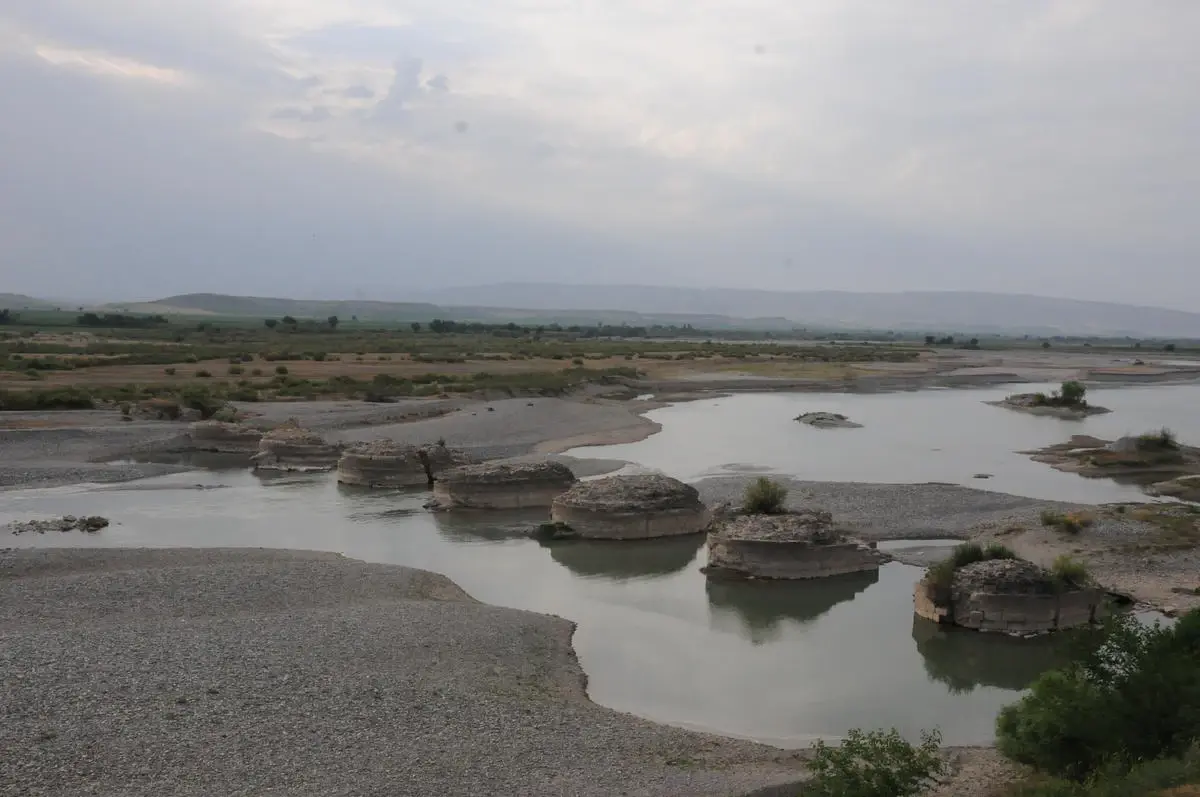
(278, 670)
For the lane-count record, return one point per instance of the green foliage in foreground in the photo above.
(875, 764)
(1133, 696)
(764, 497)
(1148, 778)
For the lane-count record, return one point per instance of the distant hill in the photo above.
(219, 304)
(924, 311)
(19, 301)
(262, 307)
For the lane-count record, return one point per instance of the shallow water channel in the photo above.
(782, 663)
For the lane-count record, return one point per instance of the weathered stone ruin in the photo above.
(289, 447)
(1009, 595)
(631, 507)
(224, 438)
(828, 420)
(796, 545)
(501, 485)
(388, 464)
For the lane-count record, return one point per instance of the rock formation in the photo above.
(1186, 488)
(289, 447)
(1009, 595)
(828, 420)
(89, 524)
(1153, 457)
(796, 545)
(224, 438)
(386, 463)
(501, 485)
(631, 507)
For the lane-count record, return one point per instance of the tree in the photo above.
(271, 323)
(929, 339)
(6, 316)
(1169, 347)
(1072, 392)
(875, 764)
(1133, 694)
(333, 322)
(287, 320)
(416, 326)
(1045, 344)
(974, 344)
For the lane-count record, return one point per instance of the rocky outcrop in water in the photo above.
(501, 485)
(289, 447)
(386, 463)
(631, 507)
(224, 438)
(89, 524)
(1039, 404)
(828, 420)
(796, 545)
(1008, 595)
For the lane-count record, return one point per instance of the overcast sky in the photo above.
(372, 147)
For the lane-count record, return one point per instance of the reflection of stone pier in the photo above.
(963, 660)
(623, 560)
(763, 607)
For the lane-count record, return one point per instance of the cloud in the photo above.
(1037, 145)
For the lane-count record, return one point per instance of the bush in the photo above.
(1071, 522)
(236, 370)
(764, 497)
(1132, 695)
(942, 573)
(169, 371)
(1070, 573)
(875, 764)
(199, 399)
(1162, 440)
(282, 370)
(203, 374)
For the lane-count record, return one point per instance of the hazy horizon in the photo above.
(381, 149)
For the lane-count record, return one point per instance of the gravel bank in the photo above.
(70, 447)
(221, 672)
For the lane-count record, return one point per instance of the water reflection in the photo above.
(488, 526)
(761, 609)
(963, 659)
(201, 460)
(625, 559)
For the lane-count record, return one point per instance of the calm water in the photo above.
(782, 663)
(932, 435)
(777, 662)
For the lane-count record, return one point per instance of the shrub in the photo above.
(169, 371)
(256, 372)
(199, 399)
(942, 573)
(70, 398)
(1162, 440)
(191, 359)
(875, 764)
(282, 370)
(1132, 695)
(1069, 572)
(203, 374)
(236, 370)
(764, 497)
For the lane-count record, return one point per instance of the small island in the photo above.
(219, 437)
(764, 539)
(827, 420)
(991, 589)
(1068, 402)
(386, 463)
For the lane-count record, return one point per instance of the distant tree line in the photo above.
(113, 320)
(7, 317)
